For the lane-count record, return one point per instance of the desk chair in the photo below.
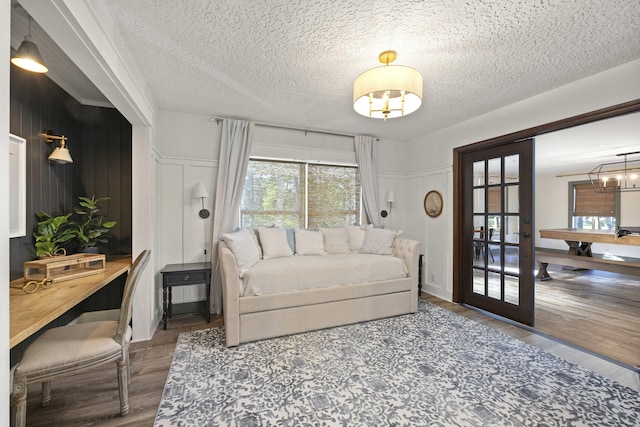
(75, 348)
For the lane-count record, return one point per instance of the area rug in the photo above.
(431, 368)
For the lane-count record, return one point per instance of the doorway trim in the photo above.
(458, 152)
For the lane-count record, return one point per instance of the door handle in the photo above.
(524, 234)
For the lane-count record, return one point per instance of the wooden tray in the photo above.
(65, 267)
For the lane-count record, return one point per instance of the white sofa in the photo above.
(250, 318)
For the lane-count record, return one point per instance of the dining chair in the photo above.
(71, 349)
(479, 244)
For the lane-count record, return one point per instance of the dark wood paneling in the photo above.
(100, 144)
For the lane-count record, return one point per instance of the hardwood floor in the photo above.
(92, 398)
(596, 310)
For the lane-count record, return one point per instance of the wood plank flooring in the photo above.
(92, 398)
(596, 310)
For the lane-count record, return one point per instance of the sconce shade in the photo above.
(391, 196)
(389, 91)
(200, 191)
(28, 55)
(61, 155)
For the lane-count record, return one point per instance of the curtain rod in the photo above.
(270, 125)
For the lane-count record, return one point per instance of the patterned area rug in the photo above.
(432, 368)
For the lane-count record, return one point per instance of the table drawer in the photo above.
(185, 278)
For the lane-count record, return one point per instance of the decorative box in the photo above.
(64, 267)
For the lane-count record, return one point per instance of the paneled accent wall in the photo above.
(100, 144)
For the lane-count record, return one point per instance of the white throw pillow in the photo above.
(336, 240)
(378, 241)
(309, 242)
(274, 243)
(356, 236)
(244, 247)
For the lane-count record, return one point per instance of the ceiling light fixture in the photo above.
(28, 55)
(389, 91)
(61, 153)
(617, 176)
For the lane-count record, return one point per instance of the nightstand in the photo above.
(181, 275)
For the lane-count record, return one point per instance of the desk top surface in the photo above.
(30, 312)
(594, 236)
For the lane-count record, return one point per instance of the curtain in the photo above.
(235, 149)
(366, 158)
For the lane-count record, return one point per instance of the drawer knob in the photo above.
(186, 278)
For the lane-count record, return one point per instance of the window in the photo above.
(591, 210)
(300, 195)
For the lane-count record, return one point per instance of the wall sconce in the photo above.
(391, 197)
(61, 153)
(200, 193)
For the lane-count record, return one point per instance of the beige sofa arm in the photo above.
(409, 251)
(231, 285)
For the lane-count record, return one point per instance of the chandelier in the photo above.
(617, 176)
(389, 91)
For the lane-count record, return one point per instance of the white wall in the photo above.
(434, 152)
(5, 40)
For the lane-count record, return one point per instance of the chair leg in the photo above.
(19, 402)
(123, 386)
(46, 393)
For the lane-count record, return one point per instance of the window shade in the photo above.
(334, 196)
(586, 202)
(274, 194)
(300, 195)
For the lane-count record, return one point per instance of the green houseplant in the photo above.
(92, 228)
(52, 233)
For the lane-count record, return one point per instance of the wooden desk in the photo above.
(580, 241)
(30, 312)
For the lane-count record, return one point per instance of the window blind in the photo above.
(586, 202)
(300, 195)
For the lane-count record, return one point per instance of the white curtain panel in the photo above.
(366, 158)
(235, 149)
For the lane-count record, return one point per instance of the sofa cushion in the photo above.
(274, 243)
(378, 241)
(309, 242)
(356, 236)
(244, 247)
(336, 240)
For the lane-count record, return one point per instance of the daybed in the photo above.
(252, 312)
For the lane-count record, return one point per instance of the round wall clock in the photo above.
(433, 204)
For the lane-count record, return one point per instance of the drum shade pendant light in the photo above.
(28, 55)
(389, 91)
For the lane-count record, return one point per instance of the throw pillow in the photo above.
(309, 242)
(356, 237)
(378, 241)
(243, 245)
(336, 240)
(274, 243)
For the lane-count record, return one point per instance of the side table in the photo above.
(198, 273)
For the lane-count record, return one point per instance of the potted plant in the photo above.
(52, 233)
(92, 228)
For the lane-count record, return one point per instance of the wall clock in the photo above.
(433, 204)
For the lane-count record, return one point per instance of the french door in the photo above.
(494, 229)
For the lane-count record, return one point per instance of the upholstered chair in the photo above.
(76, 348)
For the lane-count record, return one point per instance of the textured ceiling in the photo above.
(294, 62)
